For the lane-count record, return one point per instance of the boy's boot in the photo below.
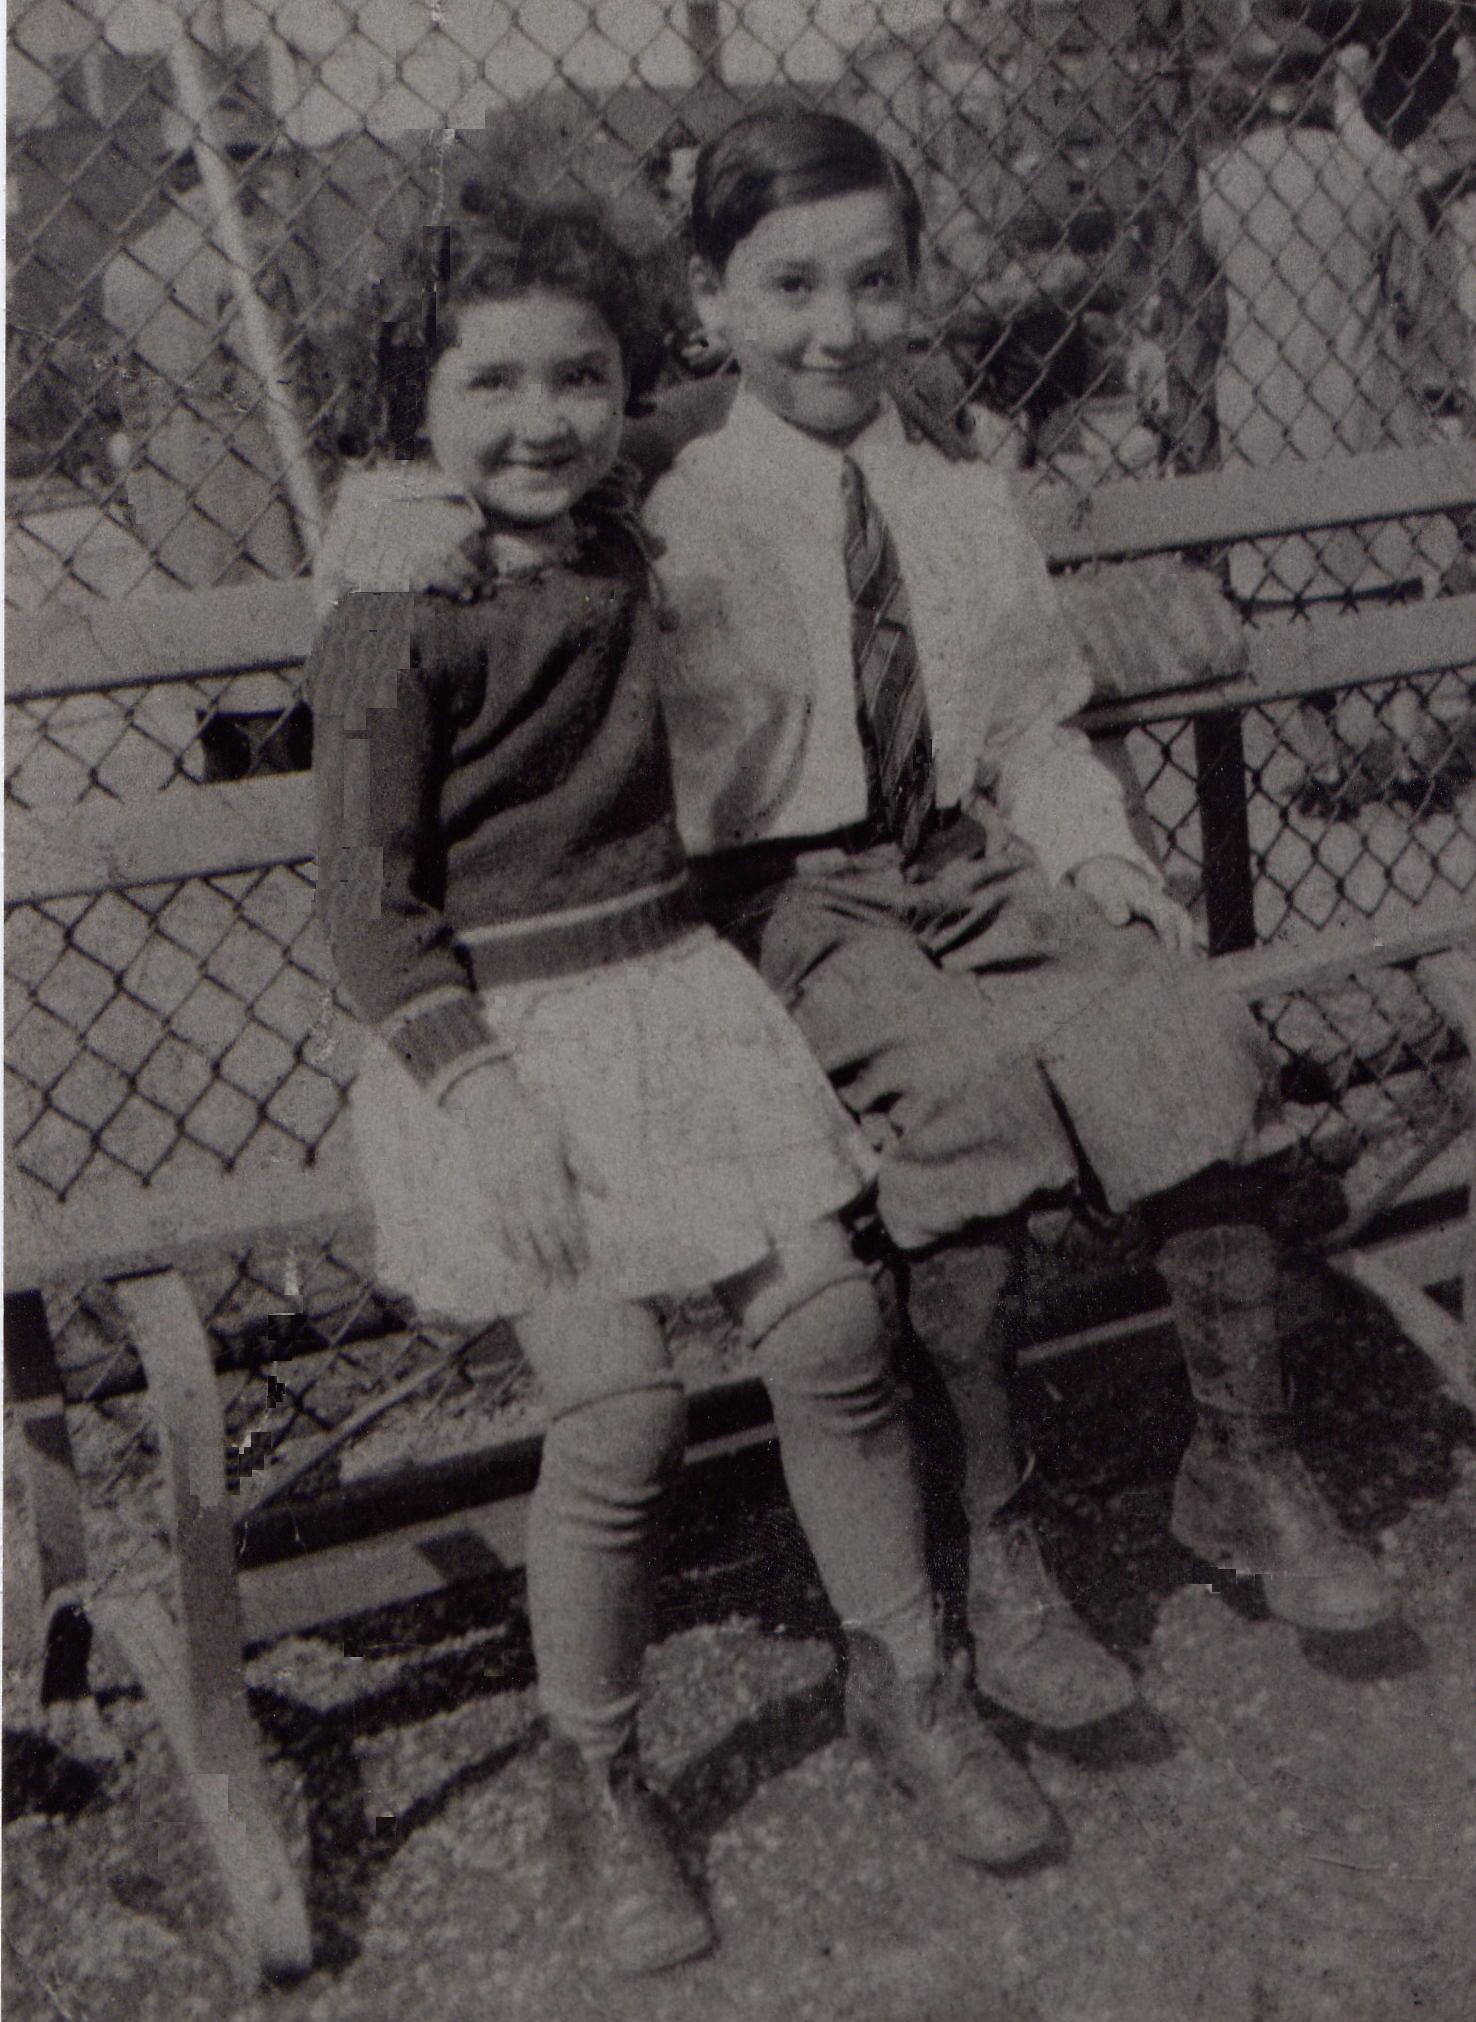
(610, 1838)
(1033, 1654)
(1244, 1498)
(928, 1737)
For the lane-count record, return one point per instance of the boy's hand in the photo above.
(384, 534)
(442, 547)
(1123, 891)
(526, 1172)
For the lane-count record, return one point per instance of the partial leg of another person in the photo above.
(812, 1314)
(616, 1432)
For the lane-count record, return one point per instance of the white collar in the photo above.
(772, 454)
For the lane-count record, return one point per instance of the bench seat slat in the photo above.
(1145, 516)
(116, 1231)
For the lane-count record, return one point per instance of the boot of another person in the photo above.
(927, 1736)
(1244, 1498)
(613, 1848)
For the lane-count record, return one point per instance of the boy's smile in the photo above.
(815, 304)
(525, 410)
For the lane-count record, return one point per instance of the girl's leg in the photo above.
(848, 1462)
(616, 1431)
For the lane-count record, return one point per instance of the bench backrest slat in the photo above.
(188, 832)
(85, 650)
(69, 651)
(1315, 656)
(1148, 517)
(193, 831)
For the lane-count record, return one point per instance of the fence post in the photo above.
(1190, 302)
(278, 405)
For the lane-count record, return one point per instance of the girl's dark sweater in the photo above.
(494, 796)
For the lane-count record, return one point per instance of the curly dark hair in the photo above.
(501, 243)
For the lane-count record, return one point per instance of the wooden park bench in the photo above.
(251, 1561)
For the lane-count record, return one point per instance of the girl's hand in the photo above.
(1124, 891)
(526, 1172)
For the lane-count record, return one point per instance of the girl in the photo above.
(574, 1098)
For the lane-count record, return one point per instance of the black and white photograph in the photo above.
(740, 997)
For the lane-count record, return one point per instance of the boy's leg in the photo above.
(968, 1137)
(847, 1459)
(1244, 1498)
(615, 1436)
(1032, 1652)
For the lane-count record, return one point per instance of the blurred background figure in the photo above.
(1323, 250)
(201, 474)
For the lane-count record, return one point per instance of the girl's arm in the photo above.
(382, 728)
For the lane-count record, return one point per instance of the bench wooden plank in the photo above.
(86, 649)
(193, 1673)
(1321, 655)
(102, 1234)
(194, 831)
(260, 628)
(185, 832)
(1145, 516)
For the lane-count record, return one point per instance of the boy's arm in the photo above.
(1042, 775)
(394, 526)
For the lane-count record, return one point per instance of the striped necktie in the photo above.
(891, 708)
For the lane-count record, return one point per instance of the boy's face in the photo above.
(525, 410)
(815, 305)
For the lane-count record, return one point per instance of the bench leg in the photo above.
(1444, 1342)
(33, 1390)
(1450, 980)
(192, 1671)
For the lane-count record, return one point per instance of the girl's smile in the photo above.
(815, 303)
(525, 410)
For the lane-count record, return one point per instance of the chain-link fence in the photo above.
(1159, 235)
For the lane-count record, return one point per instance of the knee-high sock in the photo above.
(593, 1557)
(848, 1462)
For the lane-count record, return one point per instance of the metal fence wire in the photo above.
(1149, 229)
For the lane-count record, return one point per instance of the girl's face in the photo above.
(815, 304)
(525, 409)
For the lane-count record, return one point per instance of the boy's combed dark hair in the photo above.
(784, 155)
(500, 244)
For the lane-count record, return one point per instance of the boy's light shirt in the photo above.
(760, 698)
(762, 703)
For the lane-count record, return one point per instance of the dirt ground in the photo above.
(1286, 1830)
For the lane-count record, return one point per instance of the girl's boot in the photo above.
(612, 1843)
(1244, 1498)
